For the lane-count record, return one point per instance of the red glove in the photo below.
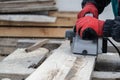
(88, 8)
(89, 27)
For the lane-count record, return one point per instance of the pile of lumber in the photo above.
(39, 63)
(34, 18)
(52, 26)
(15, 6)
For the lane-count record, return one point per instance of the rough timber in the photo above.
(63, 65)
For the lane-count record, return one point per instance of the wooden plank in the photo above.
(111, 48)
(32, 32)
(108, 57)
(108, 62)
(6, 50)
(36, 45)
(63, 65)
(61, 22)
(21, 2)
(107, 66)
(14, 1)
(13, 69)
(6, 7)
(106, 75)
(28, 18)
(1, 58)
(8, 42)
(51, 45)
(20, 64)
(14, 76)
(63, 14)
(5, 79)
(24, 4)
(7, 46)
(24, 59)
(27, 9)
(32, 41)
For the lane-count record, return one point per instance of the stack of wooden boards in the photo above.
(21, 63)
(34, 18)
(60, 65)
(15, 6)
(7, 46)
(64, 21)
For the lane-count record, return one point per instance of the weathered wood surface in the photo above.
(63, 65)
(106, 75)
(13, 1)
(108, 58)
(26, 6)
(21, 64)
(31, 29)
(25, 59)
(8, 42)
(7, 46)
(1, 58)
(36, 45)
(5, 79)
(32, 32)
(107, 66)
(28, 18)
(51, 45)
(111, 48)
(63, 14)
(61, 21)
(6, 50)
(27, 9)
(108, 62)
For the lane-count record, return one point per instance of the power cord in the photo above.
(114, 45)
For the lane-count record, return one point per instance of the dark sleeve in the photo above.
(100, 4)
(111, 28)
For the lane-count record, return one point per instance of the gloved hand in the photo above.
(112, 29)
(88, 8)
(89, 27)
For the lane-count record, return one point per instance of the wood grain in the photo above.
(32, 32)
(63, 65)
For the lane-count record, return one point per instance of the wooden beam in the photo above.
(19, 64)
(32, 32)
(36, 45)
(5, 79)
(111, 48)
(108, 62)
(106, 75)
(1, 58)
(108, 58)
(60, 22)
(27, 9)
(22, 58)
(14, 71)
(63, 65)
(63, 14)
(26, 6)
(14, 1)
(28, 18)
(107, 67)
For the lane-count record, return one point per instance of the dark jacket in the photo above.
(100, 4)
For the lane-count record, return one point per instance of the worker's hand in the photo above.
(112, 29)
(88, 8)
(89, 27)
